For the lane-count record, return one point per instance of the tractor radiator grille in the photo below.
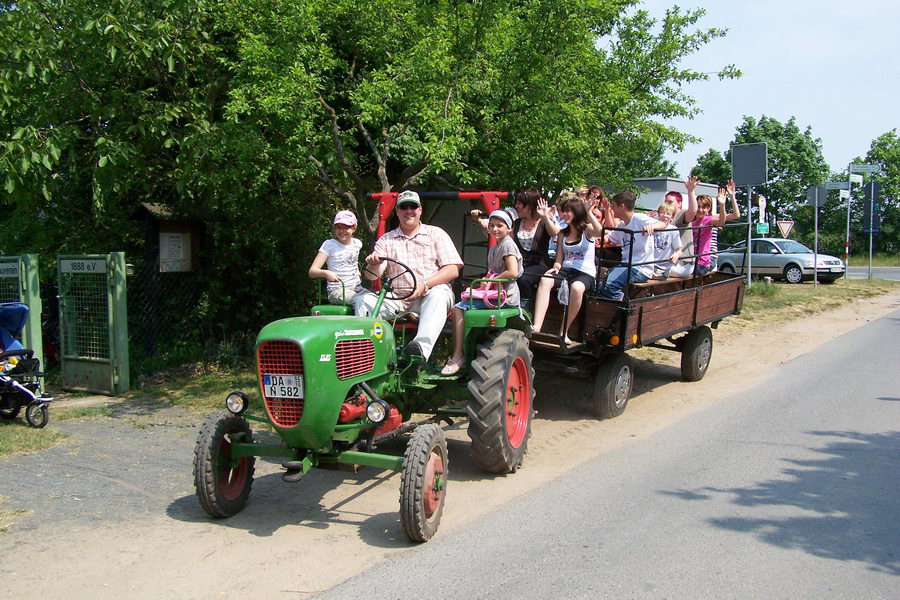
(354, 357)
(280, 358)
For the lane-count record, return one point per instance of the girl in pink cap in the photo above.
(340, 255)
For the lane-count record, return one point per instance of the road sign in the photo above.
(872, 190)
(816, 195)
(762, 228)
(844, 194)
(837, 185)
(749, 163)
(873, 231)
(856, 178)
(866, 168)
(785, 227)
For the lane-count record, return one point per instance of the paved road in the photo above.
(789, 490)
(877, 273)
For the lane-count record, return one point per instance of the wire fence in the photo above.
(163, 325)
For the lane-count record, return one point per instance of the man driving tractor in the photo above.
(430, 254)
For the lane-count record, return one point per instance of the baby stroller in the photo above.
(20, 372)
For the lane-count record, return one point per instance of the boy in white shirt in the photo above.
(641, 251)
(341, 256)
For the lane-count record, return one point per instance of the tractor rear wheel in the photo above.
(222, 483)
(423, 483)
(612, 386)
(501, 402)
(696, 353)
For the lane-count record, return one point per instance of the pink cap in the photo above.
(345, 217)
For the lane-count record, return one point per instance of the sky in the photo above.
(832, 64)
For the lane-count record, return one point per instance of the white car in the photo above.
(780, 258)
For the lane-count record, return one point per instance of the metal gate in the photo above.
(93, 323)
(20, 282)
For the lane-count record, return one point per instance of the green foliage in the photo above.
(795, 162)
(389, 94)
(262, 119)
(885, 149)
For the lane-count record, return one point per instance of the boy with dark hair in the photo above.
(636, 248)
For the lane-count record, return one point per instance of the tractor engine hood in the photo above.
(307, 365)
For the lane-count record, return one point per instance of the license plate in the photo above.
(283, 386)
(836, 269)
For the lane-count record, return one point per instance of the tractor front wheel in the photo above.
(423, 483)
(501, 402)
(222, 483)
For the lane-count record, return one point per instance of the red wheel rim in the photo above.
(435, 483)
(518, 402)
(231, 479)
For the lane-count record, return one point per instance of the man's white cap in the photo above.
(408, 196)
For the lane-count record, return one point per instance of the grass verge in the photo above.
(18, 438)
(764, 304)
(86, 412)
(879, 259)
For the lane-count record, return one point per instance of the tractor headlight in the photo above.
(236, 402)
(377, 411)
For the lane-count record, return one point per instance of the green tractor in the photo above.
(334, 387)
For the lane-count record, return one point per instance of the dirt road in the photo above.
(112, 513)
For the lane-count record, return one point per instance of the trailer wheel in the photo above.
(423, 483)
(612, 386)
(37, 415)
(501, 403)
(222, 483)
(696, 353)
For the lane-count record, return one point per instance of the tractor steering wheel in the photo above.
(396, 292)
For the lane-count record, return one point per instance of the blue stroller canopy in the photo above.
(12, 319)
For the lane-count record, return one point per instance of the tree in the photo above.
(885, 149)
(387, 94)
(795, 162)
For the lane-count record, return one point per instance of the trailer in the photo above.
(675, 314)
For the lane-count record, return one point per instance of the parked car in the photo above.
(780, 258)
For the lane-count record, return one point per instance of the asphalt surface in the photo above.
(788, 490)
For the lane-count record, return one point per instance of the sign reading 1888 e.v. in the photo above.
(82, 266)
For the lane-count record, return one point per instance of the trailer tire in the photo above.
(696, 353)
(612, 386)
(501, 402)
(222, 486)
(423, 483)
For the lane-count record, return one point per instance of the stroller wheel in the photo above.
(37, 414)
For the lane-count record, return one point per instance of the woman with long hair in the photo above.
(574, 263)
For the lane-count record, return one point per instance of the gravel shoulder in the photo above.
(112, 510)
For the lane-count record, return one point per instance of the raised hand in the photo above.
(542, 210)
(691, 183)
(731, 188)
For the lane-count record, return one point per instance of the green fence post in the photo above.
(118, 329)
(30, 293)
